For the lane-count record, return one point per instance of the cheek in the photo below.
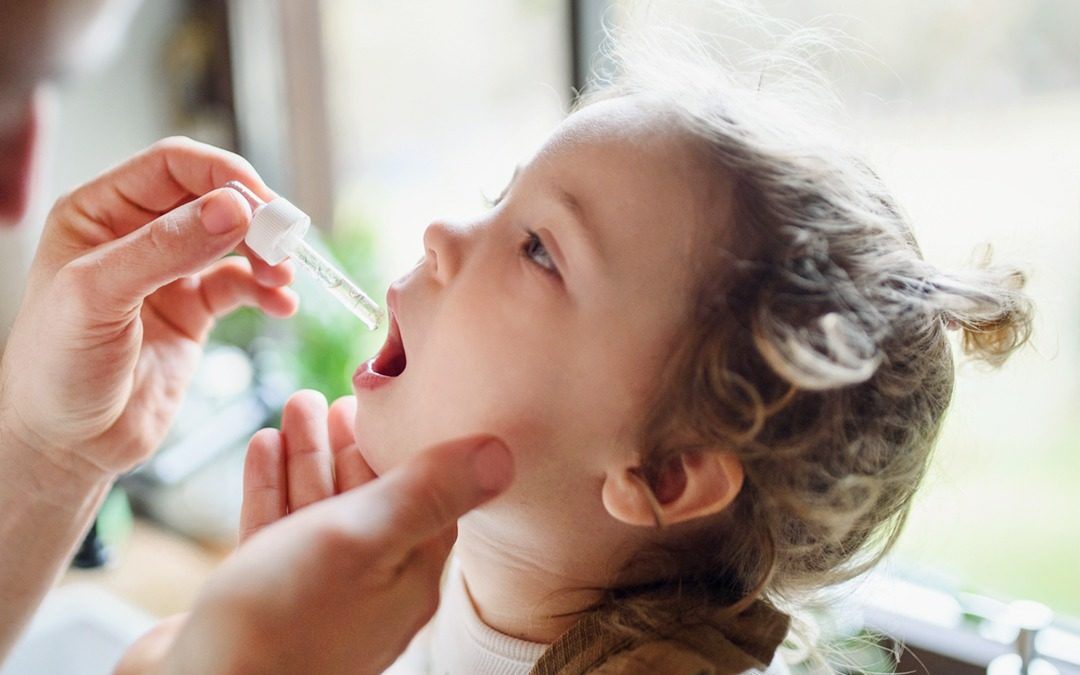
(485, 366)
(460, 401)
(493, 378)
(494, 341)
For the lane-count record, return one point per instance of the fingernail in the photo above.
(493, 467)
(224, 211)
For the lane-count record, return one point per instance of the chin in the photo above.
(379, 460)
(384, 446)
(376, 451)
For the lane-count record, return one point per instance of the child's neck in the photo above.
(527, 588)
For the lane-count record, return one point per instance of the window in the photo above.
(971, 114)
(431, 105)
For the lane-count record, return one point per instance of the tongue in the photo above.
(390, 360)
(389, 364)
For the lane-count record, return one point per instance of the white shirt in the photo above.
(458, 642)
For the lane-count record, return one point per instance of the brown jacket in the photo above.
(726, 647)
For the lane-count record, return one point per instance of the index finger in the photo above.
(423, 497)
(169, 173)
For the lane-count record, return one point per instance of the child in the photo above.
(708, 336)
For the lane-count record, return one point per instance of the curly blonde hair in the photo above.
(815, 347)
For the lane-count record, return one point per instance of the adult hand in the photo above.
(343, 583)
(127, 282)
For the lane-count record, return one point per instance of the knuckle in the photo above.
(64, 202)
(79, 280)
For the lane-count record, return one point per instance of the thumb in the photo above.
(413, 502)
(177, 244)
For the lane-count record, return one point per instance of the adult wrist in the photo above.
(62, 478)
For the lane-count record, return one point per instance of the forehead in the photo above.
(646, 188)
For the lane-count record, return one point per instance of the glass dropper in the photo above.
(277, 232)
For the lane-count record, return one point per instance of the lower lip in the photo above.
(367, 379)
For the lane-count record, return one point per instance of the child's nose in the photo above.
(442, 250)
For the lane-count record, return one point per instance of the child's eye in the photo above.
(533, 249)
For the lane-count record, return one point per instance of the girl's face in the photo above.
(546, 320)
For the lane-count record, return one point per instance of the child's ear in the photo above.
(690, 485)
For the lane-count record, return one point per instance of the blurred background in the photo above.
(376, 117)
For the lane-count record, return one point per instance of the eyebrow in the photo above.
(571, 203)
(586, 228)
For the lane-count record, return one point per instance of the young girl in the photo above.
(707, 334)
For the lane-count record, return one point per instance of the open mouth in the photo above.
(390, 361)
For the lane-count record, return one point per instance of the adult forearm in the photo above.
(45, 509)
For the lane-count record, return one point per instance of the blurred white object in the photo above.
(101, 37)
(205, 505)
(78, 629)
(222, 408)
(1028, 619)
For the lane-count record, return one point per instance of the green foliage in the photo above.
(239, 328)
(114, 519)
(330, 341)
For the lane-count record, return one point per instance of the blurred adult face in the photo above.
(47, 39)
(42, 40)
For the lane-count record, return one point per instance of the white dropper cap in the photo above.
(271, 223)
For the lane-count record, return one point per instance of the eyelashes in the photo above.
(534, 250)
